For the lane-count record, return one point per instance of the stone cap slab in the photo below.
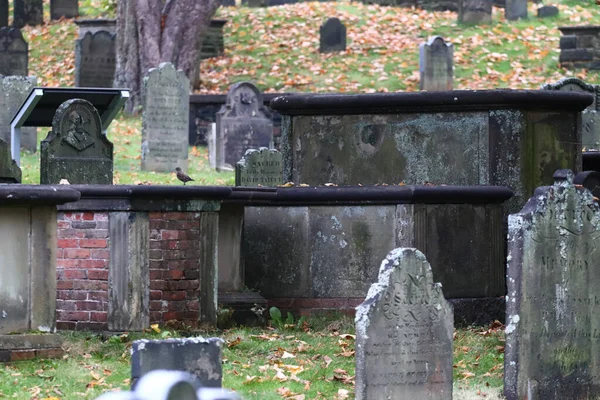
(221, 98)
(11, 194)
(420, 102)
(583, 29)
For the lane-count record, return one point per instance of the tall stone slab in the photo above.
(28, 12)
(436, 64)
(64, 8)
(14, 52)
(404, 333)
(76, 149)
(242, 123)
(165, 119)
(515, 9)
(475, 11)
(553, 280)
(14, 91)
(262, 167)
(95, 59)
(3, 13)
(332, 36)
(590, 117)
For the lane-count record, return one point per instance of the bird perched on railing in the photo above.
(182, 176)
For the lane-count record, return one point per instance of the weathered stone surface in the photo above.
(64, 8)
(333, 36)
(15, 90)
(95, 25)
(3, 13)
(165, 119)
(262, 167)
(515, 9)
(475, 11)
(436, 64)
(212, 146)
(9, 170)
(404, 333)
(95, 60)
(76, 149)
(14, 56)
(552, 332)
(28, 12)
(547, 11)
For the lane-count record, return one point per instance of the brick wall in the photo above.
(82, 271)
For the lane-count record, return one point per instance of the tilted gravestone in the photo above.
(436, 64)
(64, 8)
(9, 170)
(3, 13)
(553, 279)
(14, 52)
(14, 91)
(590, 117)
(404, 333)
(262, 167)
(95, 60)
(165, 119)
(76, 149)
(333, 36)
(475, 11)
(242, 124)
(515, 9)
(28, 12)
(547, 11)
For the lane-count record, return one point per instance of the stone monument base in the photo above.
(248, 308)
(28, 346)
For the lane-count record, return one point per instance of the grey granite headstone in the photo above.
(475, 11)
(333, 36)
(3, 13)
(262, 167)
(404, 333)
(436, 64)
(64, 8)
(553, 281)
(28, 12)
(13, 92)
(242, 123)
(14, 56)
(165, 119)
(547, 11)
(9, 170)
(95, 60)
(76, 149)
(198, 356)
(515, 9)
(590, 117)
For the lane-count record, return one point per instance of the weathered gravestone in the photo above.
(436, 64)
(333, 36)
(404, 333)
(28, 12)
(14, 56)
(165, 119)
(198, 356)
(262, 167)
(14, 91)
(515, 9)
(76, 149)
(553, 279)
(590, 117)
(3, 13)
(64, 8)
(242, 124)
(475, 11)
(547, 11)
(9, 170)
(95, 60)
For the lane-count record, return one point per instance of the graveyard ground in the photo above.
(277, 49)
(312, 360)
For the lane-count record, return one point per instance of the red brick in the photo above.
(98, 274)
(155, 254)
(158, 285)
(155, 274)
(63, 224)
(173, 274)
(66, 305)
(192, 254)
(100, 254)
(93, 243)
(72, 216)
(20, 355)
(173, 296)
(174, 264)
(55, 352)
(66, 325)
(73, 315)
(97, 295)
(193, 305)
(155, 316)
(93, 263)
(90, 285)
(71, 295)
(169, 316)
(64, 285)
(155, 215)
(157, 264)
(168, 234)
(101, 216)
(70, 233)
(172, 254)
(155, 295)
(59, 253)
(77, 253)
(87, 216)
(67, 263)
(89, 306)
(99, 316)
(193, 274)
(157, 224)
(67, 243)
(157, 244)
(156, 305)
(176, 306)
(74, 274)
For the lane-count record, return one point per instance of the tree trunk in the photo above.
(153, 31)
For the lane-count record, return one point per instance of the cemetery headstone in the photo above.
(3, 13)
(64, 8)
(552, 326)
(475, 11)
(436, 64)
(242, 124)
(198, 356)
(14, 56)
(262, 167)
(9, 170)
(515, 9)
(95, 60)
(212, 146)
(76, 149)
(94, 25)
(28, 12)
(590, 117)
(404, 333)
(333, 36)
(547, 11)
(165, 119)
(14, 91)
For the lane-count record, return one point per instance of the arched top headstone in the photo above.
(95, 59)
(333, 36)
(15, 49)
(244, 100)
(576, 85)
(437, 41)
(436, 64)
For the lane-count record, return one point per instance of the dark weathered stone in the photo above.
(568, 42)
(475, 11)
(76, 149)
(589, 180)
(515, 9)
(28, 12)
(547, 11)
(404, 332)
(14, 56)
(213, 44)
(3, 13)
(94, 25)
(165, 119)
(9, 170)
(198, 356)
(552, 347)
(15, 90)
(436, 64)
(576, 55)
(64, 8)
(242, 124)
(333, 36)
(95, 60)
(263, 167)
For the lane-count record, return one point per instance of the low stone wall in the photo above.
(580, 47)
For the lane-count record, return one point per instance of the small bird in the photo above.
(182, 176)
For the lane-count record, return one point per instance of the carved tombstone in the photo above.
(95, 60)
(333, 36)
(515, 9)
(242, 124)
(404, 333)
(64, 8)
(436, 64)
(14, 52)
(590, 117)
(76, 149)
(28, 12)
(262, 167)
(553, 280)
(13, 92)
(475, 11)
